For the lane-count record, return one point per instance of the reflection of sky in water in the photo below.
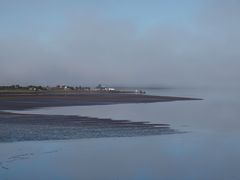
(209, 151)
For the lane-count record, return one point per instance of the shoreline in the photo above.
(29, 101)
(16, 127)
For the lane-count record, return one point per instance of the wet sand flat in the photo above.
(29, 101)
(26, 127)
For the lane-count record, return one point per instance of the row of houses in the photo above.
(65, 88)
(81, 88)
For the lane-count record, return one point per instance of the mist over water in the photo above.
(192, 43)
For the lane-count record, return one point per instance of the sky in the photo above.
(187, 43)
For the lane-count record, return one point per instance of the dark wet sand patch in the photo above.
(21, 102)
(28, 127)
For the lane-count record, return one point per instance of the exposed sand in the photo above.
(20, 101)
(24, 127)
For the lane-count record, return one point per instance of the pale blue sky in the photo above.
(15, 14)
(137, 42)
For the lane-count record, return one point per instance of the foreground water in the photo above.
(210, 149)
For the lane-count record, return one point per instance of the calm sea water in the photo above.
(210, 149)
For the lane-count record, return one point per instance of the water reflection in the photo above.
(210, 151)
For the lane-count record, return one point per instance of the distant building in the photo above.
(104, 88)
(110, 89)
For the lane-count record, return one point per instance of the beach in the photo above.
(35, 127)
(30, 101)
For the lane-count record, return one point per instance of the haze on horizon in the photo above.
(137, 42)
